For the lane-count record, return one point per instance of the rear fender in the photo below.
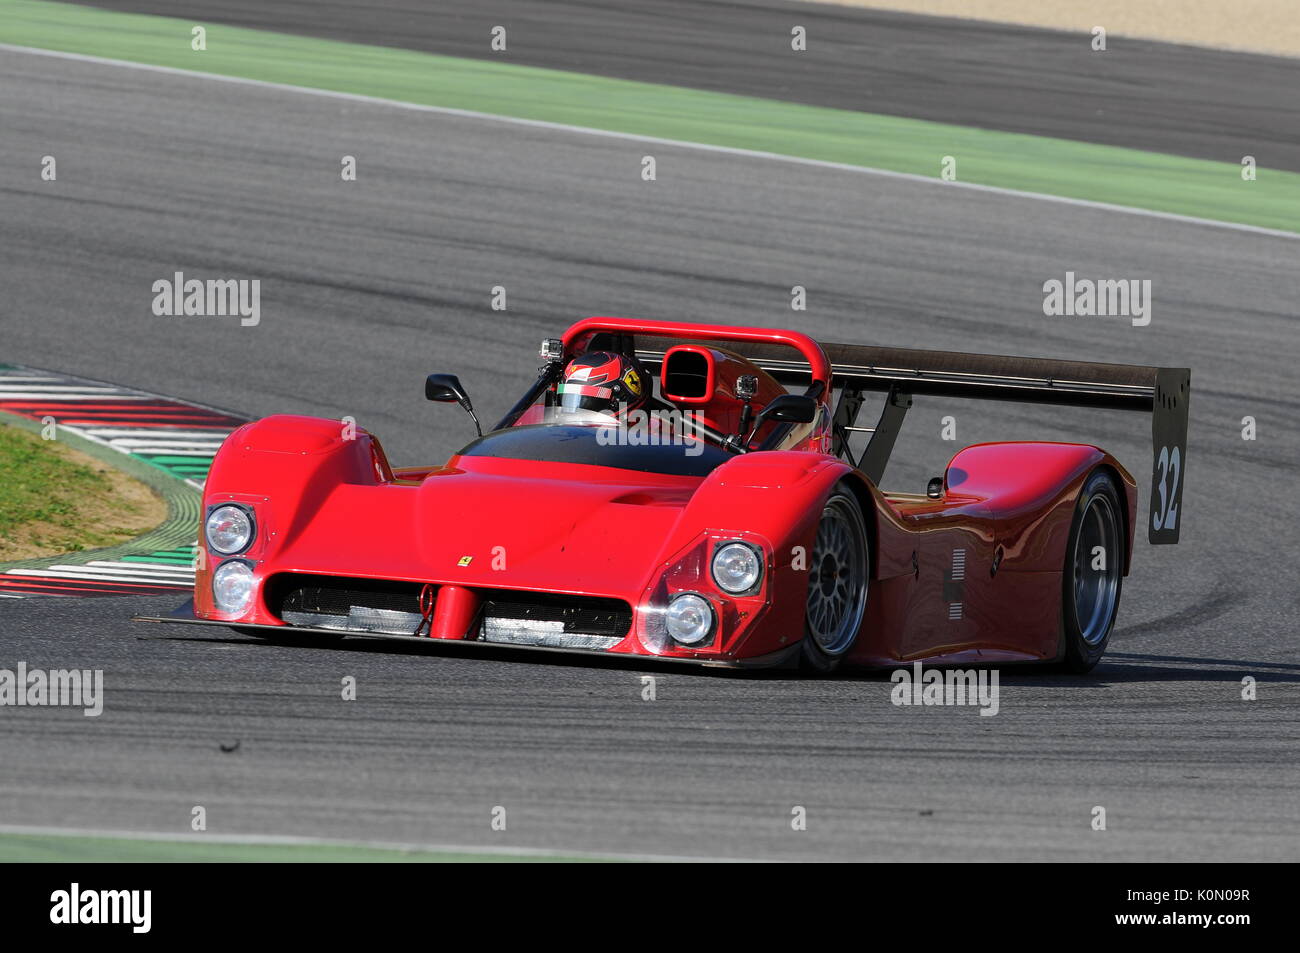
(1031, 490)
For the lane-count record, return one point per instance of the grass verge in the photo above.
(55, 500)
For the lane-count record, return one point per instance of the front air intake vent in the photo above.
(532, 618)
(339, 602)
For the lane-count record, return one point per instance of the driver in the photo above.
(602, 382)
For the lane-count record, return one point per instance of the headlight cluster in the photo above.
(229, 529)
(737, 568)
(689, 619)
(232, 586)
(707, 596)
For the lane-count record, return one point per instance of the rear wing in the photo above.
(900, 373)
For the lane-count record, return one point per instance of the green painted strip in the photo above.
(179, 556)
(61, 848)
(1059, 167)
(183, 468)
(186, 462)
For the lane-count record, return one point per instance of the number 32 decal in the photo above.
(1169, 465)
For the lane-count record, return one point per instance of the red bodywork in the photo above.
(327, 503)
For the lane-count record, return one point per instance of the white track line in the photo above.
(9, 387)
(92, 576)
(162, 432)
(142, 446)
(161, 569)
(171, 452)
(71, 397)
(657, 140)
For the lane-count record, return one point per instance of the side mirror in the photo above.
(447, 389)
(789, 408)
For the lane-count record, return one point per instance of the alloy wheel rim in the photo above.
(836, 589)
(1096, 591)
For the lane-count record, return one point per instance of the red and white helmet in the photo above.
(604, 382)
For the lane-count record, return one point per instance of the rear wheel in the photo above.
(837, 583)
(1093, 576)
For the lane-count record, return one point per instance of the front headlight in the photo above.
(689, 619)
(737, 568)
(229, 529)
(232, 586)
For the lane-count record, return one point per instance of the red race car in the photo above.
(687, 492)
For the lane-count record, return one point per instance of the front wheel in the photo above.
(837, 583)
(1093, 575)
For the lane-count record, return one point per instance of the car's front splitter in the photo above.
(184, 615)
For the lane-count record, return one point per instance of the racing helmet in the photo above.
(603, 382)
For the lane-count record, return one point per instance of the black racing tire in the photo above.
(839, 573)
(1090, 593)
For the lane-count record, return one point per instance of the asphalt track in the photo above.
(1162, 97)
(370, 285)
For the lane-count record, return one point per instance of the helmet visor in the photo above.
(576, 397)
